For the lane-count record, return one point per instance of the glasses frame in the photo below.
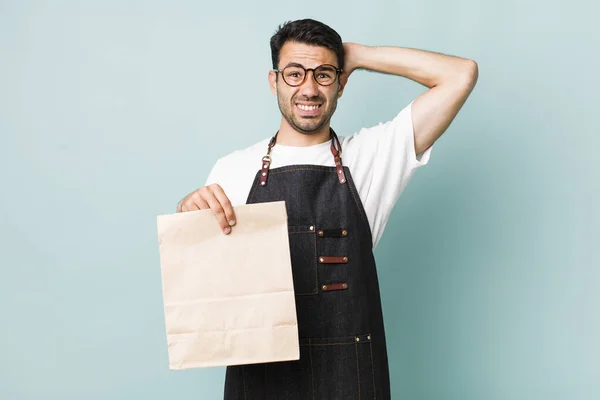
(338, 71)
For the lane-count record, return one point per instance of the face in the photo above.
(306, 108)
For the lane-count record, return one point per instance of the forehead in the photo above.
(307, 55)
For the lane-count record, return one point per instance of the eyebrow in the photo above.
(292, 64)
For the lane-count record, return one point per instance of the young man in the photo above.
(337, 207)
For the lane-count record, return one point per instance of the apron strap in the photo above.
(266, 162)
(337, 156)
(336, 151)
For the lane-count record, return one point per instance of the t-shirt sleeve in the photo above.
(382, 160)
(213, 175)
(235, 176)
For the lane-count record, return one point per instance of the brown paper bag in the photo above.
(228, 299)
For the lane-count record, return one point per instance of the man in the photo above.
(337, 206)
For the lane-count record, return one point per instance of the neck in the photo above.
(288, 136)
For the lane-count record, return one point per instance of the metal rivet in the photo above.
(311, 228)
(343, 181)
(369, 337)
(324, 287)
(345, 259)
(321, 233)
(265, 166)
(264, 174)
(321, 259)
(263, 183)
(344, 233)
(339, 172)
(358, 339)
(345, 286)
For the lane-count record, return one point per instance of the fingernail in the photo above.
(227, 230)
(232, 222)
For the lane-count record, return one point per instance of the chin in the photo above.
(307, 133)
(309, 129)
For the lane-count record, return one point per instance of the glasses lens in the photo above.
(325, 75)
(293, 75)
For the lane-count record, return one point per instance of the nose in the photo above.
(309, 88)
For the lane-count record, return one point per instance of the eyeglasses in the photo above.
(324, 75)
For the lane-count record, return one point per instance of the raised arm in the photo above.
(450, 81)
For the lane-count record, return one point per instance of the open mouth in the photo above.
(306, 107)
(308, 110)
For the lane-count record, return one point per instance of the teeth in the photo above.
(307, 108)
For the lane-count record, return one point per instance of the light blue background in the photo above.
(111, 111)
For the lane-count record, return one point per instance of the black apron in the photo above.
(343, 352)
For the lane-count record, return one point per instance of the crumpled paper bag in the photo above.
(228, 299)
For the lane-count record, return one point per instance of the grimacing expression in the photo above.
(308, 107)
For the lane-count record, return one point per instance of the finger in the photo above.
(195, 202)
(190, 205)
(200, 202)
(217, 210)
(225, 203)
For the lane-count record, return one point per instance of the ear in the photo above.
(273, 81)
(343, 81)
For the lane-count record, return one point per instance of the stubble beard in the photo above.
(308, 126)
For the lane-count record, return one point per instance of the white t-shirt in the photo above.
(381, 160)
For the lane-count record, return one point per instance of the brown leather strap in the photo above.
(336, 150)
(333, 260)
(337, 156)
(266, 162)
(334, 286)
(264, 174)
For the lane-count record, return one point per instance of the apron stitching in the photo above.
(312, 375)
(316, 265)
(303, 169)
(373, 369)
(357, 370)
(350, 339)
(326, 344)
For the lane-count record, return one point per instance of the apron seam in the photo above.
(373, 369)
(312, 375)
(316, 264)
(357, 370)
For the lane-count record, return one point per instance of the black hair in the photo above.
(307, 31)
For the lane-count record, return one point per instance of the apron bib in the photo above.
(343, 351)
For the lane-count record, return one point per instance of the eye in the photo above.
(294, 73)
